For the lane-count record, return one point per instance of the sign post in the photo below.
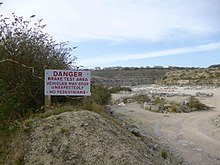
(47, 99)
(66, 83)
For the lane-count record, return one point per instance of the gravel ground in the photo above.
(195, 136)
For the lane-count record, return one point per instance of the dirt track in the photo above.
(192, 135)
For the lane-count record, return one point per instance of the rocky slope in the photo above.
(209, 76)
(83, 137)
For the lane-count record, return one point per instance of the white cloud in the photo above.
(151, 20)
(97, 61)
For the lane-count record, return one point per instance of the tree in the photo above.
(28, 51)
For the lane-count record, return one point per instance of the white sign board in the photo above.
(67, 82)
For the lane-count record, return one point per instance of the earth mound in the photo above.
(86, 138)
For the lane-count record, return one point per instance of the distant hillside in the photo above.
(215, 66)
(166, 76)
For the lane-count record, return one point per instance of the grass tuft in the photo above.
(164, 153)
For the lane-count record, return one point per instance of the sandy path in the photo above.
(192, 135)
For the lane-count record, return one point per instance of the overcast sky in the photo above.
(131, 32)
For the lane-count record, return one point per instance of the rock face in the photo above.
(166, 76)
(85, 138)
(131, 77)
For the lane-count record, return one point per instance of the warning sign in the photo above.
(67, 82)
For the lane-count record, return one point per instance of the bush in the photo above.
(10, 106)
(28, 51)
(159, 101)
(195, 105)
(100, 96)
(173, 107)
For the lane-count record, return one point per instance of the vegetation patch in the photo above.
(141, 98)
(118, 89)
(56, 110)
(165, 154)
(195, 105)
(158, 104)
(27, 124)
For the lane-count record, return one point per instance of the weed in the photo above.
(63, 130)
(155, 110)
(159, 101)
(57, 111)
(164, 154)
(173, 107)
(27, 125)
(19, 160)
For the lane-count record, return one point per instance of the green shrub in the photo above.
(64, 130)
(164, 154)
(173, 107)
(100, 94)
(159, 101)
(10, 106)
(57, 110)
(27, 125)
(195, 105)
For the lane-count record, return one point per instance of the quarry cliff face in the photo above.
(123, 77)
(163, 76)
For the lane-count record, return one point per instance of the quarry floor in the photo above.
(192, 135)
